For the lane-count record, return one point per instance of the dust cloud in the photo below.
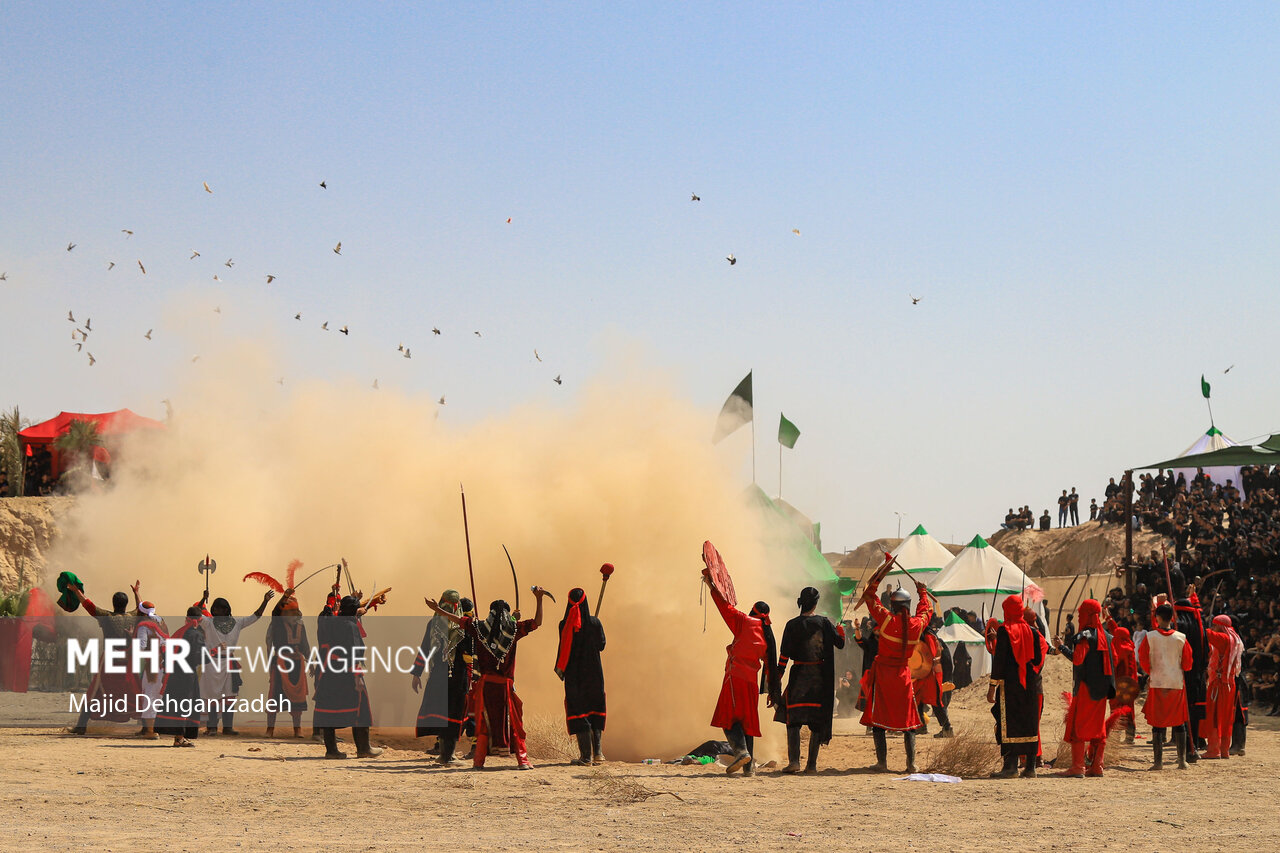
(624, 475)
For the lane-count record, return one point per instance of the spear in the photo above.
(467, 532)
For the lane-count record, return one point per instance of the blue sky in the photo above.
(1085, 197)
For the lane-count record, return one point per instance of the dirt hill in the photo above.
(28, 528)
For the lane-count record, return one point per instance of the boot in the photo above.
(811, 768)
(1180, 742)
(584, 750)
(597, 753)
(1157, 745)
(227, 728)
(738, 740)
(360, 734)
(1238, 736)
(447, 745)
(1010, 768)
(1095, 766)
(1192, 755)
(479, 749)
(793, 750)
(909, 742)
(944, 720)
(1029, 772)
(882, 751)
(522, 754)
(331, 744)
(1076, 770)
(1215, 746)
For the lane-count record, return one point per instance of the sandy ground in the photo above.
(111, 791)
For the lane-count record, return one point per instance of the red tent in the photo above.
(42, 435)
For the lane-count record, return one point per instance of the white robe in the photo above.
(215, 677)
(150, 679)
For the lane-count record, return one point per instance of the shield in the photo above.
(719, 574)
(1126, 690)
(921, 662)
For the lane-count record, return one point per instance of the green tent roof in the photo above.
(953, 618)
(919, 531)
(978, 542)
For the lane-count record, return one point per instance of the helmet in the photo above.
(900, 596)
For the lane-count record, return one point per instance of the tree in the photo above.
(11, 460)
(77, 443)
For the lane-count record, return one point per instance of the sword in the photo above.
(515, 580)
(313, 574)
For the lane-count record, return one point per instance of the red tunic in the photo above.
(887, 686)
(1086, 717)
(1221, 690)
(739, 700)
(499, 711)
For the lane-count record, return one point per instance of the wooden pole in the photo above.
(1128, 530)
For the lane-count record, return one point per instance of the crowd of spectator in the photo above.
(38, 480)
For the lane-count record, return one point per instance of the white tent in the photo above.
(920, 558)
(977, 579)
(1207, 443)
(956, 632)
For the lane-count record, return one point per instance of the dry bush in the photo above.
(967, 755)
(546, 739)
(623, 790)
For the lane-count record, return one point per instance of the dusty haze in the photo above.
(258, 475)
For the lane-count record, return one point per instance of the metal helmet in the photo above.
(900, 596)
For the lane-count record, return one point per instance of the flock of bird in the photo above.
(80, 334)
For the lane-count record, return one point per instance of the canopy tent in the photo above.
(977, 579)
(1230, 455)
(955, 632)
(791, 549)
(919, 557)
(1211, 441)
(43, 435)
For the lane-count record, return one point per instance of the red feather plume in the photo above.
(290, 572)
(264, 579)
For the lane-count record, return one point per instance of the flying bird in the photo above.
(78, 346)
(215, 278)
(206, 186)
(731, 259)
(270, 279)
(92, 360)
(217, 309)
(408, 353)
(280, 381)
(557, 380)
(337, 250)
(375, 385)
(88, 324)
(434, 330)
(148, 334)
(229, 263)
(694, 197)
(442, 401)
(194, 359)
(535, 355)
(344, 330)
(71, 317)
(70, 246)
(508, 220)
(126, 232)
(1228, 370)
(915, 300)
(325, 325)
(477, 334)
(110, 265)
(140, 266)
(400, 348)
(194, 255)
(323, 185)
(298, 316)
(795, 231)
(4, 276)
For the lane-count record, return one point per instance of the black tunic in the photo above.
(1191, 625)
(1017, 707)
(584, 705)
(962, 667)
(182, 686)
(444, 696)
(809, 643)
(341, 697)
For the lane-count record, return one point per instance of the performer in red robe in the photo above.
(738, 708)
(887, 686)
(499, 711)
(1225, 652)
(1085, 726)
(1167, 656)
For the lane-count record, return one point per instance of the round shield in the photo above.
(1126, 690)
(921, 661)
(719, 574)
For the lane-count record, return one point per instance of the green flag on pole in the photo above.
(787, 432)
(736, 412)
(1204, 387)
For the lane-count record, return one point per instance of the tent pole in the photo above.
(753, 448)
(1210, 405)
(779, 469)
(1128, 530)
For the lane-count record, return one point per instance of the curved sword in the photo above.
(514, 579)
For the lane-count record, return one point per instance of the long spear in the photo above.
(467, 532)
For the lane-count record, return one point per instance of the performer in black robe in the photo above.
(962, 666)
(183, 687)
(867, 640)
(809, 642)
(578, 665)
(1191, 624)
(1015, 701)
(341, 698)
(444, 699)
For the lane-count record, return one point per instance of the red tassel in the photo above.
(264, 579)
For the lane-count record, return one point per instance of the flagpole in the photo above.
(753, 448)
(779, 469)
(1210, 405)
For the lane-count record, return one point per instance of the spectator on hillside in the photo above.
(1045, 520)
(1093, 509)
(1064, 503)
(1074, 505)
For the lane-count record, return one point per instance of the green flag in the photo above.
(787, 432)
(1204, 387)
(736, 412)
